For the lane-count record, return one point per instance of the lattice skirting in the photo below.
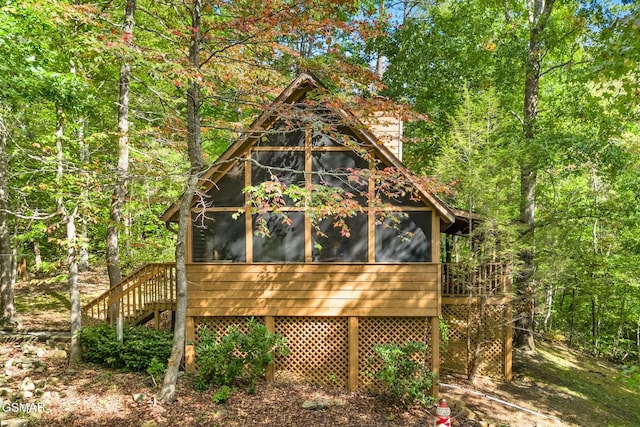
(320, 345)
(398, 330)
(465, 338)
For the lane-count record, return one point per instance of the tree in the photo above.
(6, 288)
(194, 146)
(539, 12)
(122, 168)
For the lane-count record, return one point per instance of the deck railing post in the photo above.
(353, 331)
(189, 348)
(270, 324)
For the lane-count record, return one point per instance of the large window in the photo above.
(218, 237)
(331, 244)
(404, 238)
(285, 242)
(224, 230)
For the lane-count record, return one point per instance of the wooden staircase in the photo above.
(138, 298)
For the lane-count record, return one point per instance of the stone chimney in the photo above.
(388, 129)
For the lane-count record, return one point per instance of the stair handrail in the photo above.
(129, 285)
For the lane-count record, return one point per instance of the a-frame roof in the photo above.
(303, 84)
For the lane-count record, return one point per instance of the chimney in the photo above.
(388, 130)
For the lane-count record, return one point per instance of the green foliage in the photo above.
(631, 376)
(223, 394)
(222, 360)
(156, 369)
(216, 359)
(142, 349)
(402, 371)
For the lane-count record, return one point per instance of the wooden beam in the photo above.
(310, 311)
(156, 317)
(435, 355)
(270, 324)
(508, 343)
(248, 220)
(189, 348)
(352, 382)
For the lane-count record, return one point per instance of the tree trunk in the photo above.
(122, 169)
(72, 242)
(638, 339)
(548, 308)
(194, 143)
(478, 348)
(572, 311)
(83, 259)
(379, 59)
(620, 327)
(37, 263)
(75, 351)
(6, 288)
(539, 12)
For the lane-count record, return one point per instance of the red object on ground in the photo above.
(443, 415)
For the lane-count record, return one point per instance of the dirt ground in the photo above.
(555, 387)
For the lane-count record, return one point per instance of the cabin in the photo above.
(354, 262)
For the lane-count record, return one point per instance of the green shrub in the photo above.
(142, 349)
(405, 379)
(631, 376)
(99, 345)
(222, 360)
(222, 394)
(217, 361)
(259, 348)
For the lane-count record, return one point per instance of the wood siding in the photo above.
(407, 290)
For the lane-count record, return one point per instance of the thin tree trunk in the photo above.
(572, 312)
(619, 328)
(122, 169)
(37, 263)
(549, 308)
(6, 289)
(83, 259)
(75, 351)
(539, 12)
(194, 143)
(638, 339)
(72, 242)
(381, 13)
(596, 322)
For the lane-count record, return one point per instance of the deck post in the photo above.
(270, 324)
(435, 355)
(156, 317)
(508, 342)
(189, 348)
(352, 381)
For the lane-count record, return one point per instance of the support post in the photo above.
(270, 324)
(352, 381)
(508, 342)
(435, 355)
(156, 317)
(189, 348)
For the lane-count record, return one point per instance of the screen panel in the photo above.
(408, 240)
(218, 237)
(286, 241)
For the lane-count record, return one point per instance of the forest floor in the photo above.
(557, 386)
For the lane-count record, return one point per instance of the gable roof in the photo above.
(296, 90)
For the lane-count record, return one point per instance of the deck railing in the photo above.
(136, 294)
(459, 279)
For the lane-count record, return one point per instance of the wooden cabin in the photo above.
(331, 295)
